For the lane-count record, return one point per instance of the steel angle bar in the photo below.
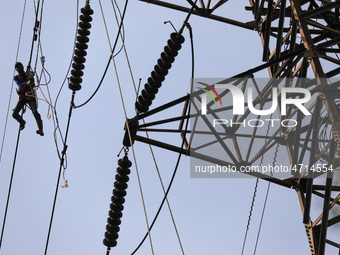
(322, 27)
(310, 175)
(319, 10)
(323, 187)
(219, 139)
(210, 16)
(334, 221)
(164, 121)
(295, 149)
(163, 107)
(253, 136)
(162, 145)
(325, 213)
(288, 183)
(266, 32)
(280, 30)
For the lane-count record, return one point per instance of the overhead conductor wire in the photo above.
(19, 131)
(110, 57)
(153, 156)
(266, 199)
(186, 24)
(55, 119)
(126, 118)
(253, 199)
(11, 91)
(63, 154)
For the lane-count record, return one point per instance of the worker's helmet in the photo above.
(18, 65)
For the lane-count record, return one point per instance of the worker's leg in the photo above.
(16, 110)
(33, 105)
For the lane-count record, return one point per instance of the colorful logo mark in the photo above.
(209, 93)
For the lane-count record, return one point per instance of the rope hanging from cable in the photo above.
(74, 85)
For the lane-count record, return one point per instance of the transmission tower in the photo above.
(300, 41)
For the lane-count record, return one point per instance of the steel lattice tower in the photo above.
(301, 39)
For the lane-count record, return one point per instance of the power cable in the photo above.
(34, 37)
(109, 61)
(128, 129)
(18, 137)
(60, 169)
(10, 185)
(11, 91)
(55, 119)
(182, 145)
(265, 200)
(254, 194)
(81, 46)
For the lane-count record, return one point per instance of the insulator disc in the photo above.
(167, 59)
(122, 177)
(87, 10)
(76, 79)
(112, 228)
(74, 86)
(143, 101)
(123, 170)
(116, 215)
(150, 89)
(79, 59)
(177, 38)
(85, 18)
(78, 66)
(124, 162)
(83, 39)
(81, 46)
(120, 185)
(78, 73)
(173, 45)
(147, 95)
(84, 25)
(80, 52)
(161, 71)
(141, 108)
(163, 65)
(119, 194)
(111, 235)
(153, 83)
(113, 221)
(109, 243)
(157, 76)
(170, 52)
(118, 199)
(84, 32)
(116, 207)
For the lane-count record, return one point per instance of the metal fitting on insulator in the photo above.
(130, 127)
(116, 207)
(80, 48)
(167, 57)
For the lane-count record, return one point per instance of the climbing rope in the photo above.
(179, 157)
(59, 173)
(19, 131)
(78, 60)
(11, 91)
(125, 114)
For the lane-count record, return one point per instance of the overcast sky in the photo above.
(211, 215)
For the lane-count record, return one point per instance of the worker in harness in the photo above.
(25, 82)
